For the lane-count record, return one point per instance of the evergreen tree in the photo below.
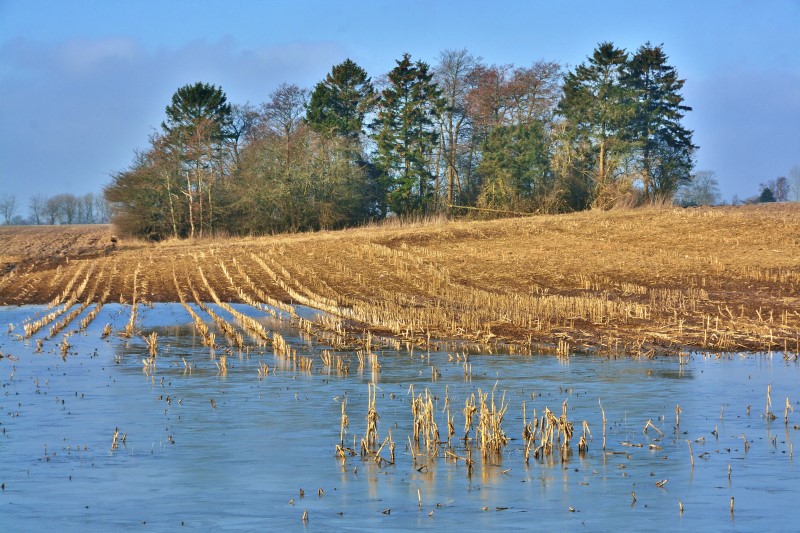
(665, 146)
(337, 108)
(515, 168)
(766, 195)
(339, 103)
(197, 126)
(405, 136)
(598, 108)
(193, 106)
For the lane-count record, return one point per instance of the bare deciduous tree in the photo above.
(488, 102)
(86, 209)
(454, 73)
(244, 118)
(70, 208)
(37, 206)
(779, 187)
(533, 92)
(283, 114)
(8, 207)
(51, 211)
(703, 189)
(102, 209)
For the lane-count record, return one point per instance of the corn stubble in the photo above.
(636, 282)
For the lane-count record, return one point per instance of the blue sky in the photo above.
(83, 83)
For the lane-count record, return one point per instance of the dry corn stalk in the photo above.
(152, 343)
(371, 435)
(489, 434)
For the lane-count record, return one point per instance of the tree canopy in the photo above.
(623, 115)
(196, 107)
(460, 136)
(340, 102)
(405, 136)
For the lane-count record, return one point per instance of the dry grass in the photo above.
(621, 282)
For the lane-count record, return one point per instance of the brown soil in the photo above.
(639, 281)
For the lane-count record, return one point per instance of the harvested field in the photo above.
(634, 282)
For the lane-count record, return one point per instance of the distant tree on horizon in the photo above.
(8, 207)
(766, 195)
(701, 189)
(794, 182)
(36, 207)
(781, 189)
(63, 208)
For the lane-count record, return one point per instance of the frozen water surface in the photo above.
(232, 452)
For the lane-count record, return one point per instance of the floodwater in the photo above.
(205, 450)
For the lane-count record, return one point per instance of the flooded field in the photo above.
(95, 434)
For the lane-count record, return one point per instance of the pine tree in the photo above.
(197, 126)
(339, 103)
(665, 146)
(515, 168)
(405, 137)
(766, 195)
(598, 108)
(194, 106)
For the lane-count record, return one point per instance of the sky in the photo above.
(83, 83)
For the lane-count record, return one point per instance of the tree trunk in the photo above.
(190, 198)
(171, 207)
(601, 176)
(200, 200)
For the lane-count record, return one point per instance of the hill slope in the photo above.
(635, 281)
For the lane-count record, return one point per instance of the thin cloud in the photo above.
(84, 55)
(74, 111)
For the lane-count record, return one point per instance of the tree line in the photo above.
(459, 136)
(58, 209)
(703, 189)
